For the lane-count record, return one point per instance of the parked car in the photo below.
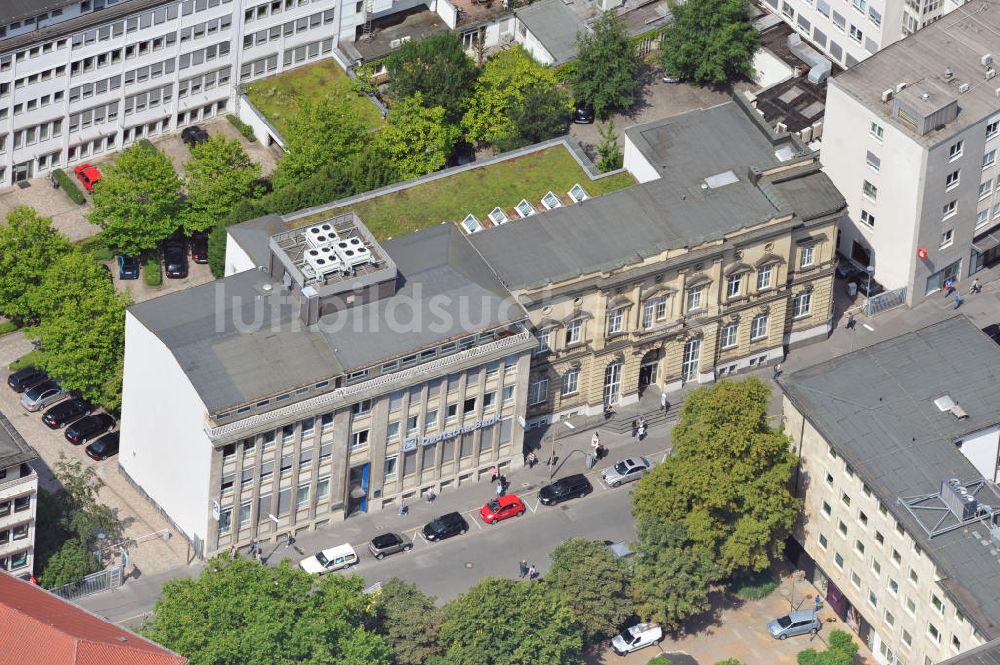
(501, 508)
(65, 412)
(668, 78)
(794, 623)
(26, 377)
(583, 113)
(40, 395)
(335, 558)
(569, 487)
(194, 135)
(87, 428)
(88, 176)
(389, 543)
(104, 447)
(199, 247)
(175, 263)
(636, 637)
(446, 526)
(626, 470)
(619, 550)
(128, 267)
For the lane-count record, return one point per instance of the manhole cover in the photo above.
(469, 564)
(563, 507)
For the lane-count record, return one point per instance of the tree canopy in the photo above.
(437, 67)
(506, 622)
(324, 132)
(542, 114)
(593, 583)
(728, 481)
(238, 612)
(28, 246)
(710, 42)
(409, 622)
(137, 201)
(416, 139)
(606, 65)
(218, 175)
(841, 651)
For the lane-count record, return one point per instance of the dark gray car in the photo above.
(389, 543)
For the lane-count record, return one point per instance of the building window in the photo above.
(694, 298)
(361, 408)
(869, 190)
(949, 209)
(842, 528)
(469, 406)
(877, 131)
(807, 257)
(326, 421)
(359, 439)
(985, 188)
(936, 602)
(451, 413)
(839, 560)
(934, 633)
(729, 331)
(573, 331)
(867, 218)
(827, 508)
(823, 542)
(989, 158)
(616, 320)
(734, 285)
(412, 423)
(19, 532)
(991, 129)
(543, 342)
(302, 497)
(876, 567)
(873, 161)
(914, 577)
(538, 392)
(893, 586)
(955, 151)
(322, 489)
(855, 579)
(951, 180)
(863, 518)
(955, 643)
(507, 394)
(907, 638)
(389, 467)
(654, 310)
(764, 277)
(859, 547)
(947, 237)
(225, 520)
(570, 382)
(802, 305)
(244, 514)
(758, 327)
(392, 431)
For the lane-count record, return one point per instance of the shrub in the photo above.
(30, 359)
(68, 186)
(152, 273)
(660, 660)
(245, 129)
(754, 586)
(7, 327)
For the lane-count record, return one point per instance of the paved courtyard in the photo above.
(178, 152)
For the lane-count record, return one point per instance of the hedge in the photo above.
(245, 129)
(68, 186)
(152, 272)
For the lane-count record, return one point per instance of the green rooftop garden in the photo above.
(278, 97)
(478, 191)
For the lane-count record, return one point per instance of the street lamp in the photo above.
(552, 457)
(868, 289)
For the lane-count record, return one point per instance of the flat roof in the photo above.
(984, 654)
(875, 407)
(958, 41)
(554, 25)
(13, 448)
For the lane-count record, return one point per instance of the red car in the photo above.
(501, 508)
(88, 175)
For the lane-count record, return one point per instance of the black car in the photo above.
(583, 113)
(65, 412)
(569, 487)
(445, 526)
(128, 267)
(104, 447)
(86, 428)
(25, 377)
(194, 135)
(199, 247)
(175, 262)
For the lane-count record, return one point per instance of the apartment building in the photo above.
(911, 141)
(308, 385)
(721, 258)
(18, 502)
(848, 31)
(898, 447)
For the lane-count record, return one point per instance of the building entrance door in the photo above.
(647, 369)
(357, 500)
(21, 172)
(936, 281)
(689, 364)
(613, 382)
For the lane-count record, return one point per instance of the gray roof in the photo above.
(445, 291)
(554, 25)
(958, 40)
(253, 236)
(15, 10)
(875, 407)
(13, 448)
(984, 654)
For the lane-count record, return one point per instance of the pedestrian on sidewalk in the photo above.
(851, 321)
(403, 508)
(818, 605)
(260, 557)
(532, 572)
(499, 489)
(532, 460)
(635, 427)
(777, 371)
(958, 299)
(595, 443)
(494, 472)
(233, 551)
(976, 287)
(642, 429)
(949, 286)
(254, 547)
(663, 401)
(523, 567)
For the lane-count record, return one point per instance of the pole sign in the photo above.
(411, 442)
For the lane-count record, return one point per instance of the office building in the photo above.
(18, 502)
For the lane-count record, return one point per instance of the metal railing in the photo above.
(880, 302)
(110, 578)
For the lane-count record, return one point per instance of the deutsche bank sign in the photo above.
(411, 442)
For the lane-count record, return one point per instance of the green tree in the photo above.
(504, 622)
(325, 132)
(728, 481)
(137, 201)
(841, 650)
(502, 85)
(218, 175)
(83, 513)
(416, 139)
(409, 622)
(241, 613)
(672, 576)
(28, 245)
(710, 42)
(70, 563)
(730, 661)
(593, 583)
(606, 66)
(610, 156)
(437, 67)
(541, 115)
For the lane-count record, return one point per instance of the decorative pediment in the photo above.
(768, 259)
(811, 240)
(737, 268)
(620, 300)
(576, 314)
(698, 280)
(547, 323)
(658, 290)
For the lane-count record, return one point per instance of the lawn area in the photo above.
(278, 97)
(477, 191)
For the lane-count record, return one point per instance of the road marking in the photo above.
(474, 520)
(533, 508)
(867, 327)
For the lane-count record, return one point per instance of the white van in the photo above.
(335, 558)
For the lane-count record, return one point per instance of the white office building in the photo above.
(18, 502)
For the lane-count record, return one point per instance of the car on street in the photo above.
(128, 267)
(194, 135)
(583, 113)
(446, 526)
(625, 471)
(566, 488)
(40, 395)
(87, 428)
(104, 447)
(88, 176)
(26, 377)
(636, 637)
(385, 544)
(335, 558)
(65, 412)
(668, 78)
(199, 247)
(175, 263)
(501, 508)
(794, 623)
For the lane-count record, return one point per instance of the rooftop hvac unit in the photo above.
(990, 73)
(986, 60)
(395, 43)
(321, 235)
(964, 88)
(886, 95)
(352, 252)
(324, 261)
(962, 504)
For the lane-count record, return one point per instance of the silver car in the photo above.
(794, 623)
(389, 543)
(626, 470)
(40, 396)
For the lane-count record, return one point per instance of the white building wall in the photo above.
(12, 487)
(533, 45)
(983, 450)
(237, 259)
(637, 164)
(168, 457)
